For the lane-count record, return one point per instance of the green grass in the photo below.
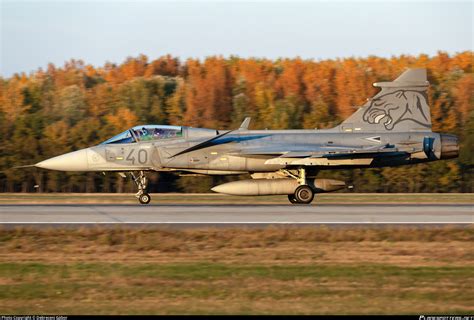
(309, 287)
(207, 271)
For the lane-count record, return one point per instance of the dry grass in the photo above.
(419, 246)
(271, 270)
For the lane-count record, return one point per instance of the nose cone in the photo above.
(72, 161)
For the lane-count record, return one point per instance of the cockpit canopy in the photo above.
(146, 133)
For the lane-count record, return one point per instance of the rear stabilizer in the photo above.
(401, 105)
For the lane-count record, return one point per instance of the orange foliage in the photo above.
(122, 119)
(202, 92)
(464, 93)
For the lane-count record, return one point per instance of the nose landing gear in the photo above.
(142, 183)
(144, 198)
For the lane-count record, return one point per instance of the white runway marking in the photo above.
(230, 223)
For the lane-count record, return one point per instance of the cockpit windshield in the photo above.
(146, 133)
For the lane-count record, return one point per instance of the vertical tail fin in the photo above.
(401, 105)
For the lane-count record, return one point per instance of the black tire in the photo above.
(292, 199)
(304, 194)
(144, 198)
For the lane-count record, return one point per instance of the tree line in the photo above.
(50, 112)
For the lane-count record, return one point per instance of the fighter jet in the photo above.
(393, 128)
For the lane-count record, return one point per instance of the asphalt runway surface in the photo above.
(199, 214)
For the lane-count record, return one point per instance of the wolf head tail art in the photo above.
(401, 105)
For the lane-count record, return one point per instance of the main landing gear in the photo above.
(304, 194)
(142, 183)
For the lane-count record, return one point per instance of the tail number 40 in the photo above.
(141, 156)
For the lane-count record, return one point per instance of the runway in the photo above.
(236, 214)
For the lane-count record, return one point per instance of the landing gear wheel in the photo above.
(292, 199)
(144, 198)
(304, 194)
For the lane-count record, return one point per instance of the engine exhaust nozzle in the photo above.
(449, 146)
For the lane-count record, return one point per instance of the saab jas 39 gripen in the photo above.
(392, 128)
